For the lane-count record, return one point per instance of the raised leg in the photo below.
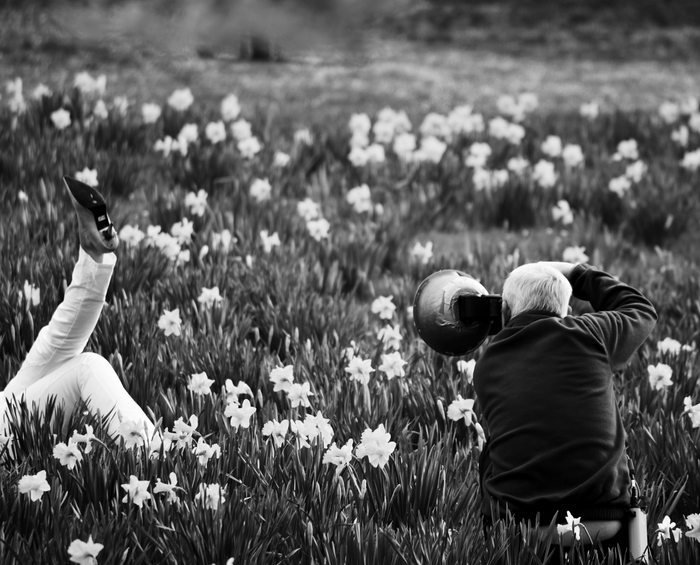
(71, 325)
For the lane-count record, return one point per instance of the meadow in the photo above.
(261, 311)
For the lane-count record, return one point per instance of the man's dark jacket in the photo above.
(544, 383)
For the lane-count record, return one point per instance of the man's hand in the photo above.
(562, 266)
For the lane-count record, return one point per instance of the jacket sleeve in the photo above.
(623, 317)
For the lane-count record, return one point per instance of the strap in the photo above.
(602, 513)
(546, 515)
(636, 498)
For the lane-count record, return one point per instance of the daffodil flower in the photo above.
(517, 165)
(360, 199)
(660, 376)
(318, 229)
(390, 336)
(404, 146)
(269, 241)
(197, 202)
(88, 176)
(200, 384)
(572, 525)
(184, 431)
(384, 307)
(359, 369)
(168, 488)
(181, 99)
(562, 212)
(282, 377)
(422, 253)
(170, 322)
(572, 156)
(241, 130)
(136, 491)
(691, 160)
(166, 145)
(552, 146)
(299, 393)
(210, 495)
(131, 235)
(84, 552)
(249, 147)
(234, 391)
(338, 456)
(461, 408)
(210, 297)
(204, 451)
(68, 454)
(278, 431)
(636, 171)
(89, 85)
(303, 431)
(132, 432)
(183, 231)
(376, 446)
(40, 91)
(544, 174)
(664, 530)
(280, 159)
(222, 240)
(692, 521)
(627, 149)
(215, 132)
(392, 364)
(668, 345)
(61, 118)
(589, 110)
(574, 254)
(692, 411)
(31, 294)
(322, 427)
(360, 123)
(150, 112)
(240, 415)
(34, 485)
(230, 108)
(467, 368)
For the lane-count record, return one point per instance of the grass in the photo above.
(307, 301)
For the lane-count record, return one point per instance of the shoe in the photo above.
(97, 233)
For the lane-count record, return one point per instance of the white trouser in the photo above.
(56, 366)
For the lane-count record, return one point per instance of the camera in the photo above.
(454, 313)
(481, 309)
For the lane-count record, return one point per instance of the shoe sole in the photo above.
(92, 200)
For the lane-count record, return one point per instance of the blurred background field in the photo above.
(308, 62)
(327, 57)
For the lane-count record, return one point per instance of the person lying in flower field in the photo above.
(56, 366)
(556, 438)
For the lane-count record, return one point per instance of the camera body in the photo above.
(480, 309)
(454, 313)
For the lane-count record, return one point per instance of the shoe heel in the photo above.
(90, 199)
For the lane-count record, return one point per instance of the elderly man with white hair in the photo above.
(545, 383)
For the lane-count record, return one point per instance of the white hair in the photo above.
(537, 287)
